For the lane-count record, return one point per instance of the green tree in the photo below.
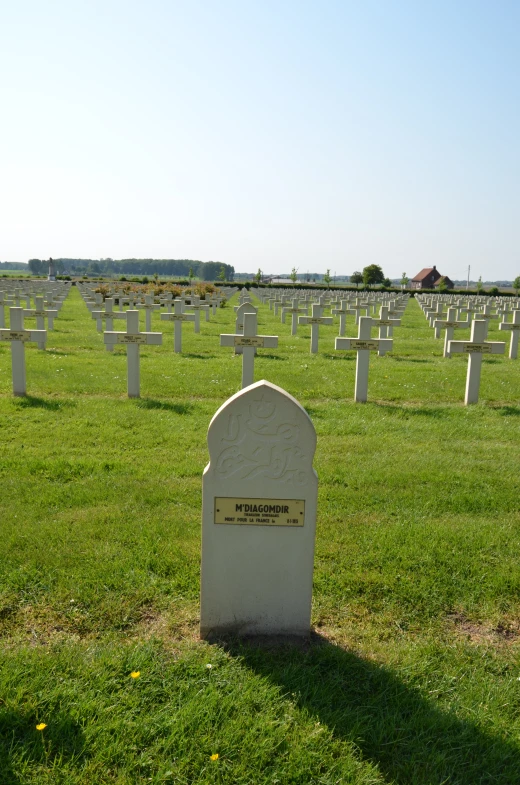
(36, 266)
(327, 278)
(373, 274)
(258, 276)
(387, 283)
(293, 275)
(356, 278)
(516, 285)
(442, 285)
(191, 275)
(222, 274)
(404, 280)
(479, 284)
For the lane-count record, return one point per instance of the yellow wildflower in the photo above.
(41, 726)
(135, 674)
(214, 756)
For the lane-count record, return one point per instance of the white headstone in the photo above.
(259, 494)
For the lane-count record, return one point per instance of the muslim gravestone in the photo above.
(258, 516)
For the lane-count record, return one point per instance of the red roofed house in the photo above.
(444, 281)
(426, 279)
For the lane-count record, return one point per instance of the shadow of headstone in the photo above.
(410, 739)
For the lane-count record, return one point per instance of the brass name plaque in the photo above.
(364, 344)
(15, 335)
(244, 341)
(259, 512)
(477, 348)
(123, 338)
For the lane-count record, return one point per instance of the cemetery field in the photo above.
(412, 675)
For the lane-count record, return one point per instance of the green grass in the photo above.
(413, 672)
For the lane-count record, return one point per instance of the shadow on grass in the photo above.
(272, 357)
(412, 741)
(411, 359)
(32, 402)
(507, 411)
(193, 356)
(345, 356)
(62, 741)
(414, 411)
(151, 403)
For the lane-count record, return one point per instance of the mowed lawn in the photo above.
(412, 674)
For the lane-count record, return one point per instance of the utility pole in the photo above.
(467, 286)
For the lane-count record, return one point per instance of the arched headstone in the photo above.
(258, 516)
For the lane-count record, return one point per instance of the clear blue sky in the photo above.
(263, 134)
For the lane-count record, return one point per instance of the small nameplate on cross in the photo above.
(123, 338)
(15, 335)
(241, 340)
(356, 344)
(259, 512)
(485, 348)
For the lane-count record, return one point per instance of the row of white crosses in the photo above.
(481, 312)
(41, 311)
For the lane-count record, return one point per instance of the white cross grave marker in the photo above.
(475, 347)
(240, 310)
(450, 324)
(148, 307)
(386, 325)
(133, 339)
(107, 316)
(17, 336)
(295, 310)
(514, 327)
(178, 317)
(259, 501)
(315, 320)
(39, 312)
(363, 345)
(248, 342)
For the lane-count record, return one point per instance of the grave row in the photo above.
(246, 340)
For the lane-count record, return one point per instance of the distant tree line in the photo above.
(13, 266)
(181, 268)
